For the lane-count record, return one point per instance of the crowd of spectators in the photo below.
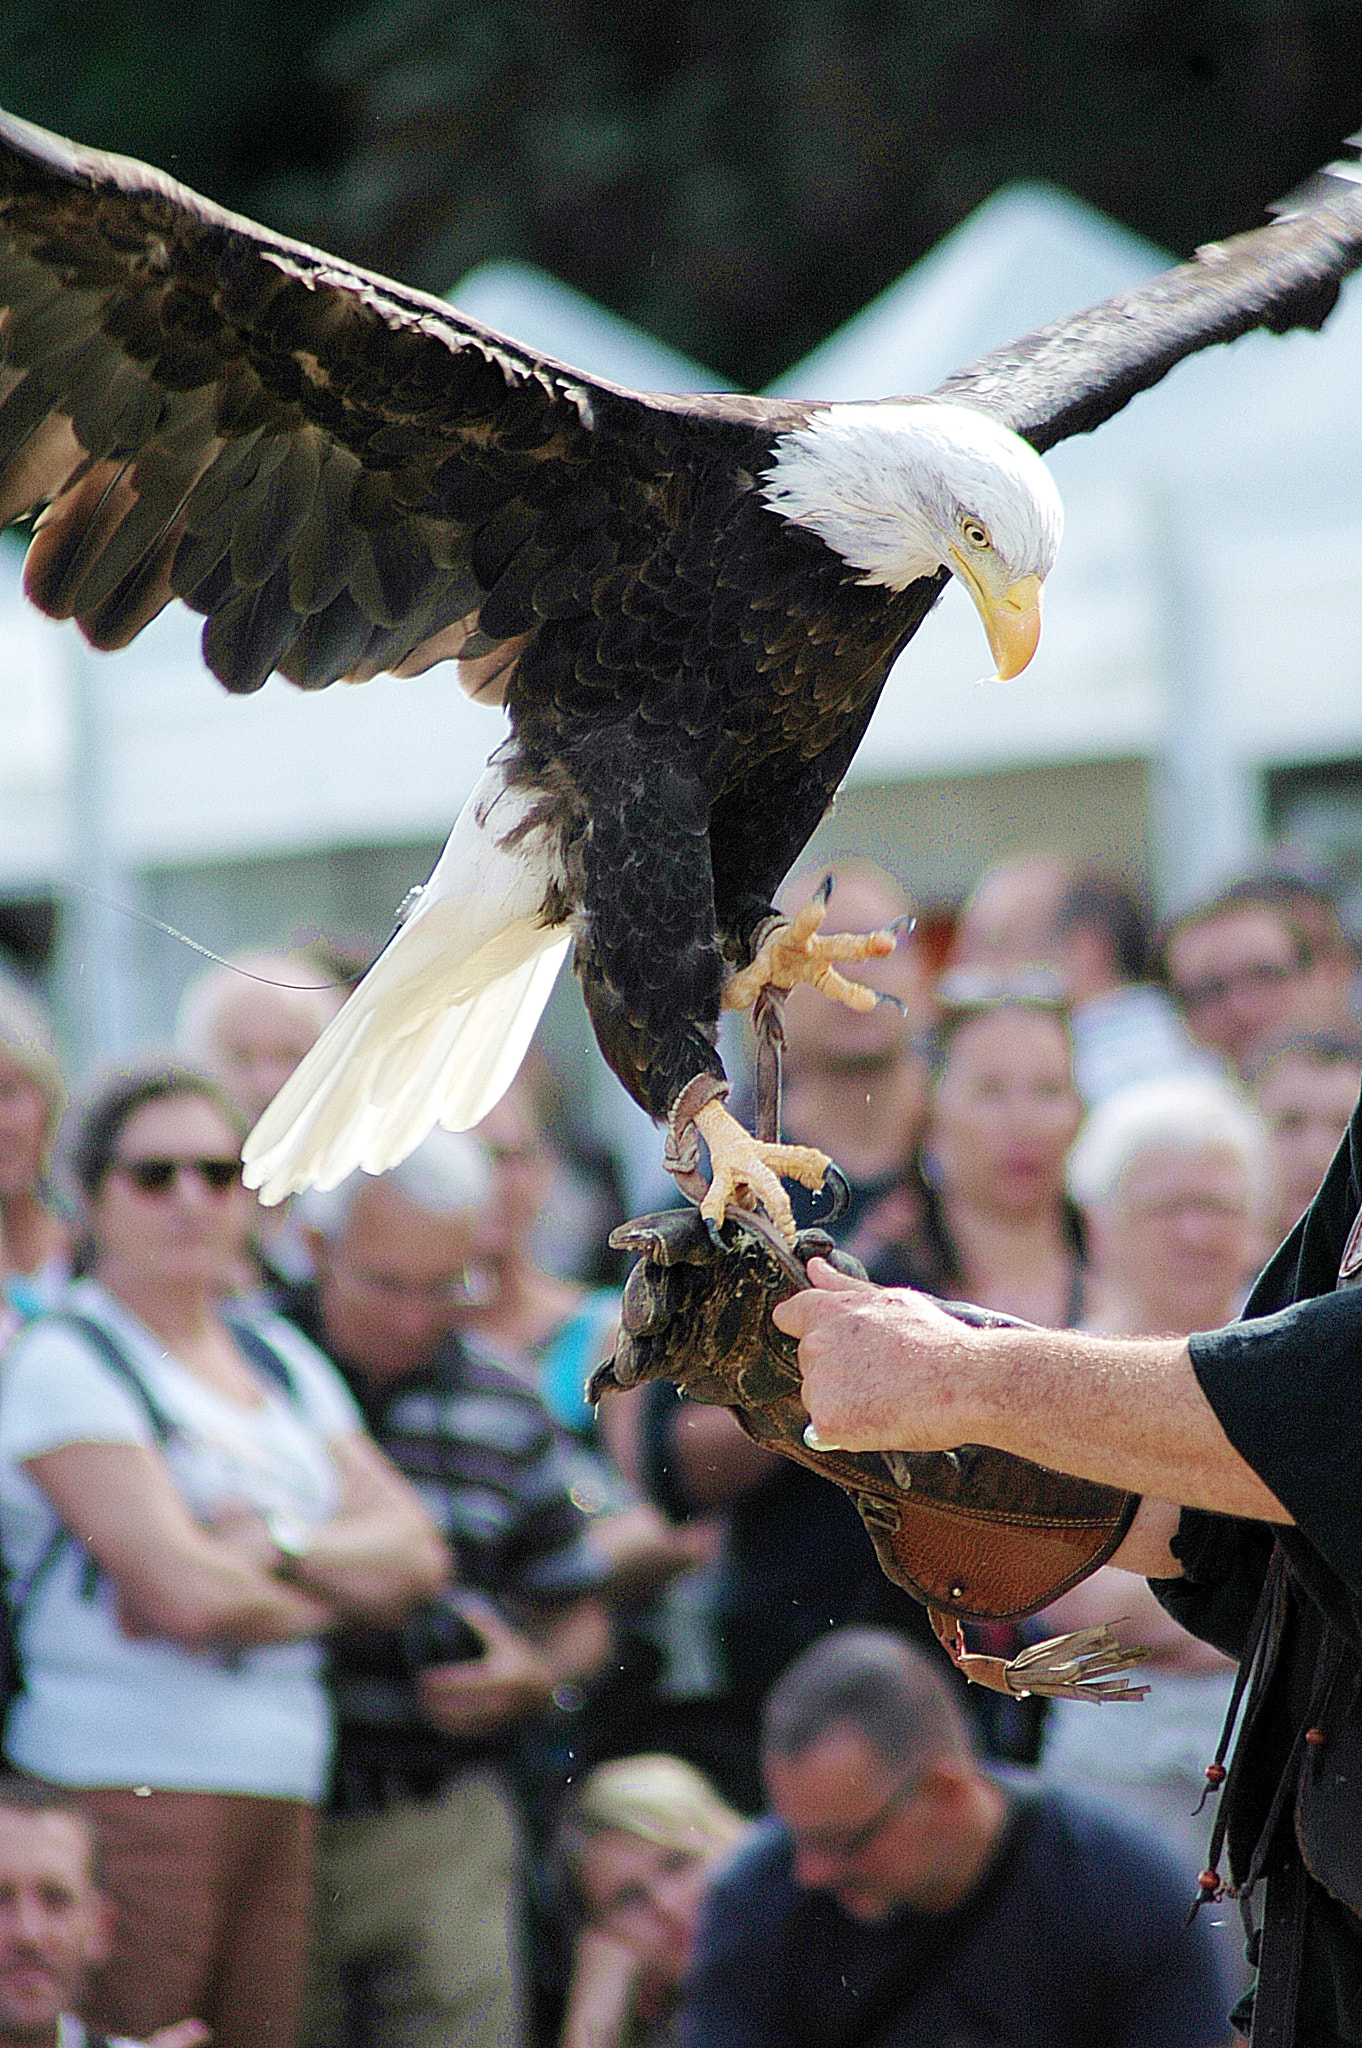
(369, 1687)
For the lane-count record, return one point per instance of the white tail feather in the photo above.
(437, 1029)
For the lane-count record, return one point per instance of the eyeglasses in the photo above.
(1215, 990)
(157, 1176)
(460, 1290)
(845, 1847)
(1188, 1209)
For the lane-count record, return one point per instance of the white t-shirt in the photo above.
(97, 1708)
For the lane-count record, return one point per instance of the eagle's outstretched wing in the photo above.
(1072, 376)
(346, 476)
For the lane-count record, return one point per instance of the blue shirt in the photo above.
(1074, 1938)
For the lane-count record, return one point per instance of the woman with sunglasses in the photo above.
(187, 1503)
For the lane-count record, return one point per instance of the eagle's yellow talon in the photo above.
(746, 1174)
(799, 952)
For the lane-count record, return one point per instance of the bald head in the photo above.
(251, 1021)
(819, 1033)
(393, 1253)
(1010, 918)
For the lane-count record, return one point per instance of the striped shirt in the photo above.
(492, 1468)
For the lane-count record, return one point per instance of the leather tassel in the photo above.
(1086, 1664)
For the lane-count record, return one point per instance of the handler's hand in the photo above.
(882, 1367)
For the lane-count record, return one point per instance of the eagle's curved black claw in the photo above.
(836, 1184)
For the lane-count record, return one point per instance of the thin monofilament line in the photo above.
(205, 952)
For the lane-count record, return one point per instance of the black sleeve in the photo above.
(1223, 1566)
(1285, 1390)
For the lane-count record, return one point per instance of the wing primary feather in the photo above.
(328, 644)
(271, 518)
(245, 641)
(30, 438)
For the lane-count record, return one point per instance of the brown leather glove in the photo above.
(974, 1533)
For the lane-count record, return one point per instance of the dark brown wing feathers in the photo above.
(343, 475)
(1072, 376)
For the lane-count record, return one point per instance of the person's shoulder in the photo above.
(1111, 1847)
(757, 1871)
(311, 1372)
(56, 1336)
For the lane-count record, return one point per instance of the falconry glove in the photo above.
(974, 1533)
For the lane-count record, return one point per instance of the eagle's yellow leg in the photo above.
(798, 952)
(745, 1173)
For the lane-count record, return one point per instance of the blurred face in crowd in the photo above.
(522, 1176)
(828, 1034)
(1009, 921)
(648, 1895)
(392, 1281)
(1005, 1111)
(258, 1036)
(24, 1114)
(1306, 1104)
(171, 1209)
(54, 1923)
(1178, 1241)
(1242, 978)
(873, 1839)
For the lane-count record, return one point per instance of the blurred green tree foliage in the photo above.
(736, 175)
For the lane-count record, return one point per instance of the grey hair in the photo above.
(1183, 1113)
(896, 1699)
(446, 1175)
(290, 974)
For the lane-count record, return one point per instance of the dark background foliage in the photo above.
(737, 175)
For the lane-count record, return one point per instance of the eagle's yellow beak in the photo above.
(1011, 617)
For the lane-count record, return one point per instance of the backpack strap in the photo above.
(265, 1358)
(261, 1354)
(120, 1365)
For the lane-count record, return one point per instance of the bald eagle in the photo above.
(688, 606)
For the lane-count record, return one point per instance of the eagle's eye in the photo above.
(975, 532)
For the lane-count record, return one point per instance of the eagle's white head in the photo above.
(905, 487)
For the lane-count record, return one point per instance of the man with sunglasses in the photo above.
(904, 1897)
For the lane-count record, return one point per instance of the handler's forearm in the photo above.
(1126, 1411)
(887, 1369)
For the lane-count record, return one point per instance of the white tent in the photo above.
(522, 301)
